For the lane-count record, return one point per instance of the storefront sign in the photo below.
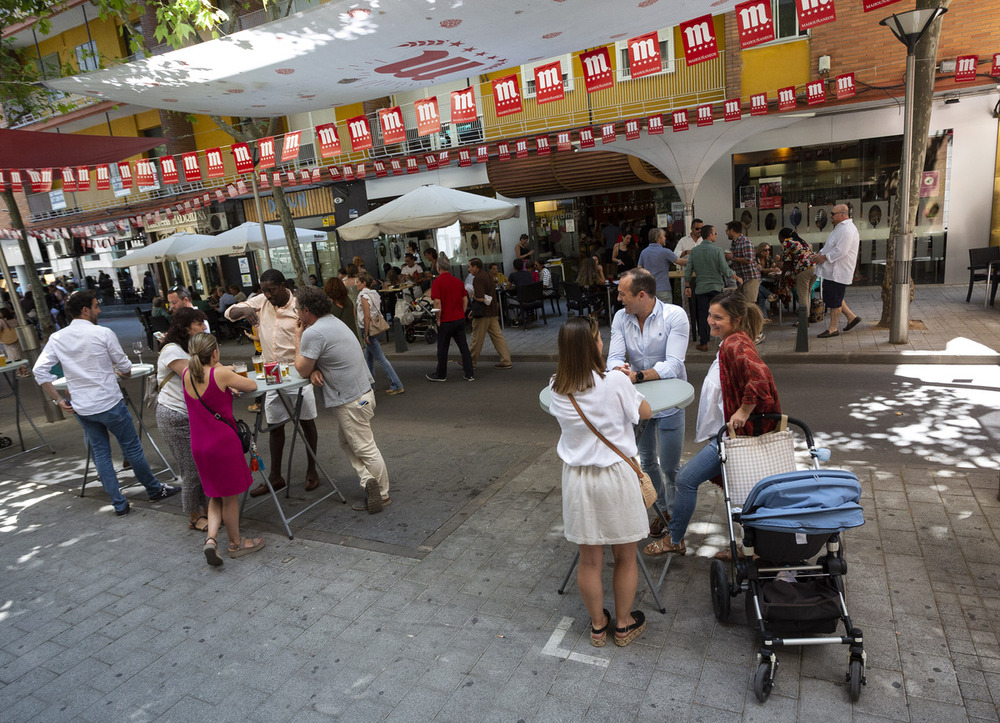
(786, 98)
(185, 219)
(506, 95)
(360, 170)
(704, 115)
(329, 141)
(266, 148)
(335, 173)
(754, 23)
(125, 173)
(103, 178)
(845, 86)
(391, 121)
(521, 148)
(815, 12)
(428, 120)
(596, 69)
(815, 92)
(380, 171)
(311, 202)
(360, 133)
(770, 193)
(758, 104)
(464, 158)
(431, 161)
(144, 172)
(549, 83)
(679, 120)
(330, 220)
(463, 105)
(290, 149)
(644, 55)
(929, 184)
(83, 178)
(870, 5)
(348, 172)
(443, 158)
(482, 154)
(734, 111)
(965, 68)
(411, 165)
(396, 166)
(698, 37)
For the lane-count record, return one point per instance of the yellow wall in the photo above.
(104, 34)
(776, 66)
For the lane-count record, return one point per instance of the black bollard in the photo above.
(802, 335)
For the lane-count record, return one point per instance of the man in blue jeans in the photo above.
(648, 341)
(91, 358)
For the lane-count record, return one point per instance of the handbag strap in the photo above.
(211, 411)
(604, 439)
(166, 379)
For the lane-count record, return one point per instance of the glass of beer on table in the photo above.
(240, 368)
(258, 364)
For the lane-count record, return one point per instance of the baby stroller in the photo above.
(421, 320)
(788, 518)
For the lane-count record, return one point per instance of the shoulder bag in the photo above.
(241, 428)
(377, 323)
(645, 483)
(151, 392)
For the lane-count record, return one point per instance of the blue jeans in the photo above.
(762, 295)
(699, 469)
(374, 353)
(668, 434)
(119, 422)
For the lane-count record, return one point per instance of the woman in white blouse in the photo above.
(602, 502)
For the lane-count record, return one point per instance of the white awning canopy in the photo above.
(166, 249)
(243, 238)
(347, 51)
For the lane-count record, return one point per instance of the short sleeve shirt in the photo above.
(339, 359)
(450, 291)
(172, 393)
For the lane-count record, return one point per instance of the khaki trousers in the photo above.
(489, 325)
(803, 283)
(358, 442)
(750, 288)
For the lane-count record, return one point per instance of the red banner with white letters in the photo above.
(125, 173)
(243, 158)
(290, 148)
(463, 105)
(608, 133)
(563, 141)
(654, 125)
(145, 174)
(632, 129)
(168, 168)
(644, 55)
(336, 174)
(380, 170)
(411, 165)
(542, 146)
(68, 180)
(995, 70)
(396, 165)
(348, 172)
(464, 157)
(845, 86)
(503, 150)
(698, 36)
(103, 177)
(329, 141)
(815, 12)
(965, 68)
(360, 170)
(428, 120)
(679, 120)
(521, 148)
(431, 161)
(83, 178)
(506, 95)
(754, 23)
(597, 73)
(704, 115)
(214, 163)
(734, 110)
(586, 137)
(482, 154)
(443, 158)
(815, 92)
(786, 98)
(391, 121)
(360, 133)
(549, 83)
(266, 148)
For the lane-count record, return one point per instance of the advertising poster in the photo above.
(748, 197)
(770, 193)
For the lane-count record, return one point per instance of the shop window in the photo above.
(86, 56)
(666, 37)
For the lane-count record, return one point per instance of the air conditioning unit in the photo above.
(218, 222)
(58, 248)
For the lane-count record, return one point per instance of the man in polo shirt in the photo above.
(656, 259)
(450, 301)
(273, 310)
(91, 360)
(648, 341)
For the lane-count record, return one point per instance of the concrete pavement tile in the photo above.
(355, 603)
(824, 700)
(868, 607)
(448, 670)
(26, 708)
(632, 666)
(895, 520)
(188, 709)
(930, 677)
(822, 662)
(417, 704)
(380, 651)
(975, 691)
(474, 695)
(891, 500)
(26, 663)
(479, 632)
(364, 710)
(69, 705)
(500, 659)
(883, 695)
(317, 636)
(921, 636)
(666, 694)
(412, 617)
(577, 681)
(614, 703)
(525, 692)
(138, 703)
(722, 685)
(934, 711)
(284, 701)
(561, 710)
(428, 642)
(732, 642)
(981, 711)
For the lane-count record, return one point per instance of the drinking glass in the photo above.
(137, 349)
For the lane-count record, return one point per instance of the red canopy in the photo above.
(31, 149)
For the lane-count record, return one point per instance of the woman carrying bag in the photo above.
(216, 445)
(602, 500)
(369, 314)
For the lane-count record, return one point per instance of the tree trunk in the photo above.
(923, 98)
(34, 280)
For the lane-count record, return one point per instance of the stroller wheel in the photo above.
(856, 678)
(430, 336)
(411, 335)
(720, 591)
(763, 681)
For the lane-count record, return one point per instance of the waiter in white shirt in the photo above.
(91, 360)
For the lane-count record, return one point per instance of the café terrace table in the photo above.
(9, 372)
(661, 394)
(297, 384)
(139, 371)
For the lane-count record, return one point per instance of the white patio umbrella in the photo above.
(166, 249)
(247, 237)
(427, 207)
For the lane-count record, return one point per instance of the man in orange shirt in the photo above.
(450, 301)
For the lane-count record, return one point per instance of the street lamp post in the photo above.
(909, 28)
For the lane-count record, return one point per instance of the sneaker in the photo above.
(435, 378)
(163, 493)
(124, 511)
(760, 339)
(469, 379)
(503, 366)
(391, 392)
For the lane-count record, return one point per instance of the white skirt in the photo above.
(603, 505)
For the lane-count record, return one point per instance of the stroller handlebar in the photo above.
(723, 431)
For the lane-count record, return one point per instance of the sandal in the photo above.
(664, 546)
(245, 546)
(631, 632)
(726, 554)
(599, 636)
(193, 524)
(656, 528)
(211, 550)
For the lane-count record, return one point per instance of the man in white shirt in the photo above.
(92, 359)
(835, 264)
(648, 341)
(683, 251)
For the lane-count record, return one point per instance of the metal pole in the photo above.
(260, 219)
(899, 313)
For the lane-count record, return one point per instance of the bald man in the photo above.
(835, 264)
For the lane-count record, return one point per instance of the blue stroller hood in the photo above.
(812, 502)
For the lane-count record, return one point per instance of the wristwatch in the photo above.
(639, 376)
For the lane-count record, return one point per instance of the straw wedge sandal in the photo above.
(245, 546)
(664, 546)
(631, 632)
(211, 550)
(599, 636)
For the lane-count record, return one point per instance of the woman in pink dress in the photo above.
(215, 445)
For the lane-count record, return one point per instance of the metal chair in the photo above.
(552, 294)
(979, 263)
(529, 298)
(575, 300)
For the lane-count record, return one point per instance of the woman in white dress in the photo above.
(602, 502)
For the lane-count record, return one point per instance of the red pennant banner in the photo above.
(758, 104)
(329, 141)
(463, 105)
(231, 190)
(396, 166)
(219, 195)
(41, 181)
(965, 68)
(586, 138)
(213, 159)
(276, 180)
(698, 36)
(542, 146)
(360, 170)
(206, 199)
(348, 172)
(503, 150)
(428, 120)
(644, 55)
(125, 173)
(995, 70)
(82, 178)
(263, 184)
(704, 115)
(391, 121)
(241, 187)
(482, 154)
(380, 171)
(411, 165)
(266, 148)
(815, 92)
(870, 5)
(608, 133)
(3, 185)
(291, 178)
(597, 73)
(304, 175)
(679, 120)
(521, 148)
(654, 125)
(786, 98)
(631, 129)
(168, 168)
(754, 23)
(549, 83)
(145, 174)
(243, 158)
(335, 173)
(443, 158)
(815, 12)
(290, 149)
(317, 175)
(845, 86)
(262, 181)
(563, 141)
(464, 157)
(192, 171)
(506, 95)
(734, 111)
(360, 133)
(431, 161)
(68, 179)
